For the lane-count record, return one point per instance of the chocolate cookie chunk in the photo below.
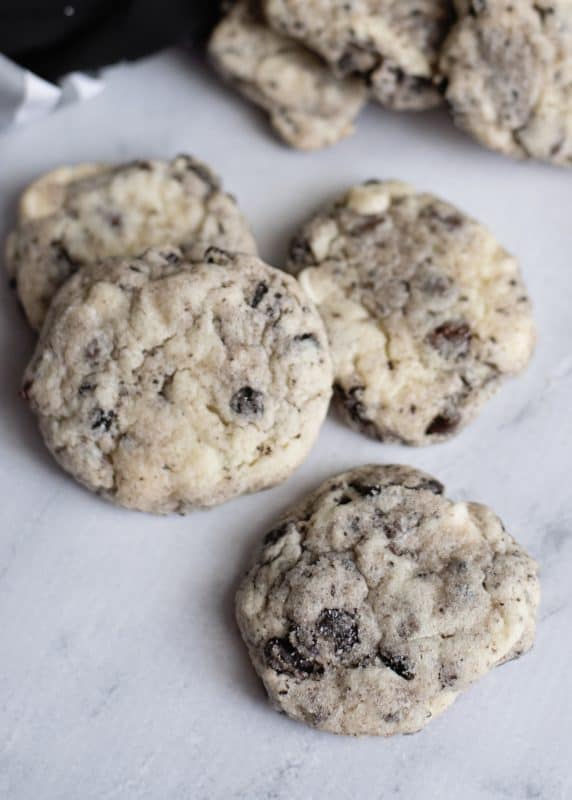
(425, 311)
(79, 215)
(380, 601)
(161, 385)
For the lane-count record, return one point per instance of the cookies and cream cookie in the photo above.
(79, 215)
(426, 313)
(166, 384)
(376, 601)
(508, 72)
(307, 106)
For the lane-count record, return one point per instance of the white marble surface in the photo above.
(121, 672)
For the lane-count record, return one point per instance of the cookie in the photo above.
(425, 311)
(376, 601)
(78, 215)
(307, 106)
(394, 46)
(165, 384)
(508, 68)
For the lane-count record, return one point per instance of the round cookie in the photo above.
(308, 107)
(425, 311)
(508, 70)
(79, 215)
(393, 45)
(376, 601)
(166, 385)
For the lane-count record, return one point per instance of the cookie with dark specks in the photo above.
(376, 601)
(78, 215)
(508, 71)
(308, 107)
(426, 313)
(166, 384)
(393, 45)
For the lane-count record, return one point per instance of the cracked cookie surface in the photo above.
(308, 107)
(393, 44)
(425, 311)
(165, 384)
(376, 601)
(508, 68)
(75, 216)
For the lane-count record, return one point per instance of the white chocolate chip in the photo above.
(106, 299)
(375, 198)
(368, 199)
(305, 281)
(322, 239)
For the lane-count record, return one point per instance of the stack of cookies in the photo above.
(176, 370)
(504, 69)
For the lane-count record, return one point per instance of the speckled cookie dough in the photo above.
(78, 215)
(425, 311)
(394, 44)
(306, 104)
(165, 384)
(376, 601)
(508, 68)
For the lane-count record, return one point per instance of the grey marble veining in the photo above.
(122, 674)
